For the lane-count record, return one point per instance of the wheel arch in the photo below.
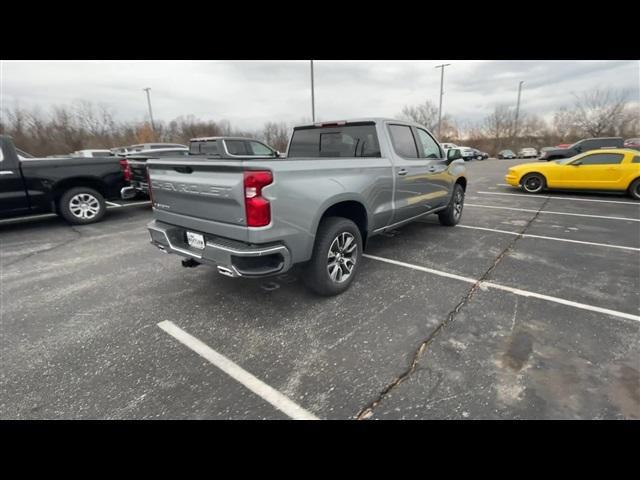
(62, 186)
(349, 207)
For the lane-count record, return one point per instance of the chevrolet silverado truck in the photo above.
(340, 184)
(74, 188)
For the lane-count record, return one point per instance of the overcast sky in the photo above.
(249, 93)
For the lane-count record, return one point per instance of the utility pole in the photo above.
(441, 93)
(515, 127)
(313, 100)
(150, 112)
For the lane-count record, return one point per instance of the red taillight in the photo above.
(149, 185)
(257, 208)
(125, 169)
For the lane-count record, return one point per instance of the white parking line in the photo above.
(553, 213)
(516, 291)
(561, 198)
(530, 235)
(113, 204)
(236, 372)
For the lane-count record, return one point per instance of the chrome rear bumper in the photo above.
(232, 258)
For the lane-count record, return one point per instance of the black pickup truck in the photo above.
(74, 188)
(581, 146)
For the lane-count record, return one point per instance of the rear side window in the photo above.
(635, 160)
(237, 147)
(403, 142)
(204, 148)
(260, 149)
(354, 140)
(602, 159)
(177, 153)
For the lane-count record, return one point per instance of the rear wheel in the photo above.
(533, 183)
(82, 205)
(336, 256)
(453, 213)
(634, 189)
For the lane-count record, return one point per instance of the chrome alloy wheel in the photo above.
(342, 257)
(84, 205)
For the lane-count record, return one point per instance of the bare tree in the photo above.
(498, 126)
(425, 114)
(599, 112)
(275, 135)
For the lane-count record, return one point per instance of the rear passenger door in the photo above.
(414, 192)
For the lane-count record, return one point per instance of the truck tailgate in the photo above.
(211, 190)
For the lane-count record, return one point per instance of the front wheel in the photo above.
(82, 205)
(634, 189)
(533, 183)
(450, 216)
(336, 256)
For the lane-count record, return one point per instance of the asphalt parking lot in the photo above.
(529, 309)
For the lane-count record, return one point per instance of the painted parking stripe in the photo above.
(561, 198)
(516, 291)
(47, 215)
(553, 213)
(112, 204)
(236, 372)
(530, 235)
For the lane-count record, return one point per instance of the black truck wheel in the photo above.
(451, 215)
(336, 256)
(82, 205)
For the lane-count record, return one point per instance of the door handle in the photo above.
(432, 169)
(403, 171)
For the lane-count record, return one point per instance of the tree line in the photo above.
(84, 125)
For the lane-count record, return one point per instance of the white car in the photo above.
(91, 153)
(528, 153)
(467, 153)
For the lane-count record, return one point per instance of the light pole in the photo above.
(515, 126)
(150, 112)
(313, 100)
(441, 93)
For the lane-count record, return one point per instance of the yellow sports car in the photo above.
(616, 169)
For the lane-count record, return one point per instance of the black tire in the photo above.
(634, 189)
(317, 272)
(450, 216)
(82, 205)
(533, 183)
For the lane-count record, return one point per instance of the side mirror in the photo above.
(453, 154)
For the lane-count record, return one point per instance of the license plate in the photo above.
(195, 240)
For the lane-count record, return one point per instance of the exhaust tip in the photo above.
(226, 271)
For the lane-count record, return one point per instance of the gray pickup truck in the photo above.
(340, 184)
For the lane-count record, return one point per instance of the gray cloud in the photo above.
(248, 93)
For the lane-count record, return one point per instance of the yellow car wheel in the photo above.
(634, 189)
(533, 183)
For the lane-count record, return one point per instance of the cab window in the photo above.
(430, 147)
(602, 159)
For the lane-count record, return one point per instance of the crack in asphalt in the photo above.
(367, 411)
(61, 244)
